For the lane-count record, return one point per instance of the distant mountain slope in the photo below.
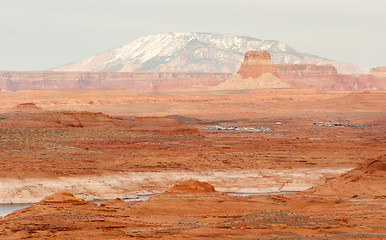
(194, 52)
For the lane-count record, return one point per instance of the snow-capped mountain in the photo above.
(194, 52)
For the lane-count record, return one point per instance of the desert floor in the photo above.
(122, 160)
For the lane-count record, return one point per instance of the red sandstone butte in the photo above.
(257, 63)
(256, 72)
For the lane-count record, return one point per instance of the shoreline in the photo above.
(8, 208)
(133, 184)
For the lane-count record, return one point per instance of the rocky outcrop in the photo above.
(27, 107)
(256, 72)
(367, 180)
(206, 215)
(255, 64)
(57, 119)
(62, 197)
(191, 186)
(15, 81)
(294, 71)
(71, 119)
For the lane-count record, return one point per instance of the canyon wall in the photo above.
(326, 77)
(15, 81)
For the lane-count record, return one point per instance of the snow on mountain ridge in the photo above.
(187, 52)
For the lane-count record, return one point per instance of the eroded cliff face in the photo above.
(293, 71)
(326, 77)
(256, 72)
(365, 181)
(257, 63)
(15, 81)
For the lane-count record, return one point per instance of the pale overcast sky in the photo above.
(42, 34)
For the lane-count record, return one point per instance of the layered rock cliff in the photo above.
(312, 76)
(307, 75)
(326, 77)
(257, 63)
(15, 81)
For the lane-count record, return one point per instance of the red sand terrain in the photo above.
(194, 210)
(125, 142)
(365, 181)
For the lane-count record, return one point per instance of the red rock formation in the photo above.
(257, 63)
(326, 77)
(27, 107)
(61, 216)
(256, 72)
(58, 119)
(60, 197)
(15, 81)
(191, 186)
(367, 180)
(193, 210)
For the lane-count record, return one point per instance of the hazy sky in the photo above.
(42, 34)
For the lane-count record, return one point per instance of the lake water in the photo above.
(6, 209)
